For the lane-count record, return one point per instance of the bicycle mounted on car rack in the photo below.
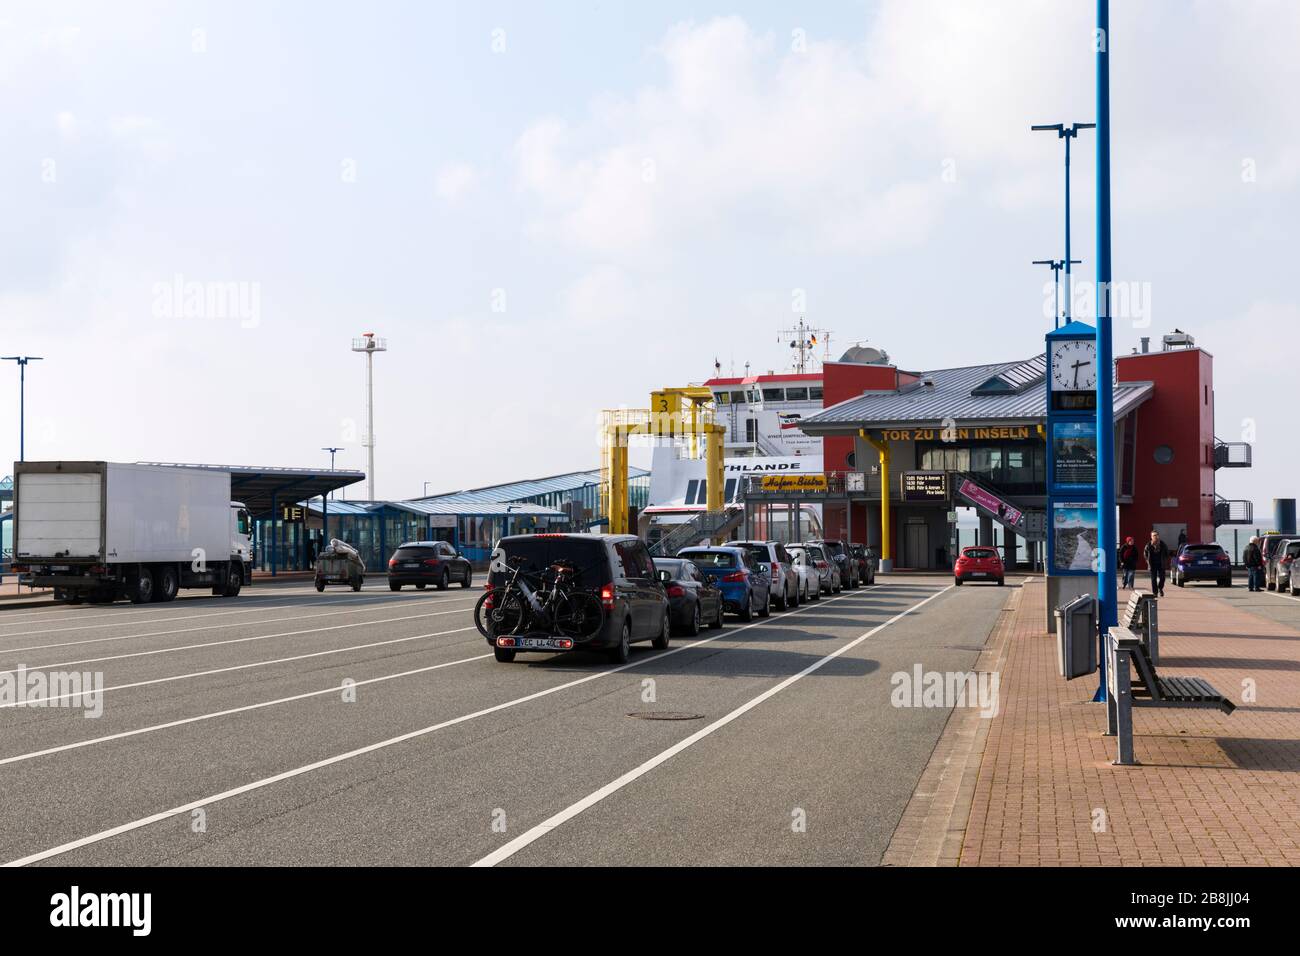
(546, 602)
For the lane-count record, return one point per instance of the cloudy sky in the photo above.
(549, 209)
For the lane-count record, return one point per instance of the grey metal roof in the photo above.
(529, 488)
(950, 397)
(482, 508)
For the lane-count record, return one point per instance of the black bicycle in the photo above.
(528, 602)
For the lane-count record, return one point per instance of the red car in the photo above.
(978, 563)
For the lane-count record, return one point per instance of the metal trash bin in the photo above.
(1076, 637)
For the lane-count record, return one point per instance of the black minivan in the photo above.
(617, 569)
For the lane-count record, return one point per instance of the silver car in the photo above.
(827, 570)
(810, 579)
(785, 583)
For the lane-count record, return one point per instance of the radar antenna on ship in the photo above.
(804, 339)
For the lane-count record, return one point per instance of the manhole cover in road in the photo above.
(665, 715)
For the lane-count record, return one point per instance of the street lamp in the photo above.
(22, 361)
(1066, 133)
(370, 345)
(332, 452)
(426, 490)
(1056, 265)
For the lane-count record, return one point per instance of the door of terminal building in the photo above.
(1169, 532)
(916, 543)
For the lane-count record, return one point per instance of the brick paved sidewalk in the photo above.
(1212, 789)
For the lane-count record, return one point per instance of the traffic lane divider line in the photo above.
(401, 738)
(5, 652)
(233, 640)
(546, 826)
(237, 667)
(76, 745)
(351, 605)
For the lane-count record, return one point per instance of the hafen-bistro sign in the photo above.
(792, 482)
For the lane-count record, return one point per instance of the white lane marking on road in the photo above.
(63, 613)
(349, 605)
(233, 640)
(39, 701)
(8, 652)
(546, 826)
(393, 741)
(77, 745)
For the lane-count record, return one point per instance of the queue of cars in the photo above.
(643, 598)
(1280, 552)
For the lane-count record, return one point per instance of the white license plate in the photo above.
(538, 644)
(60, 567)
(979, 574)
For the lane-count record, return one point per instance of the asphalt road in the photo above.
(290, 727)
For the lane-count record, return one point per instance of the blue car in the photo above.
(745, 583)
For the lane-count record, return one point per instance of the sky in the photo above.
(551, 209)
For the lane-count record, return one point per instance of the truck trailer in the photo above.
(99, 531)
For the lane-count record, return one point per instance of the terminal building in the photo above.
(902, 450)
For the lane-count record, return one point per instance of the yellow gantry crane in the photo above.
(674, 413)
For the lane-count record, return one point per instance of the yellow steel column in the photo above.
(715, 478)
(618, 516)
(886, 537)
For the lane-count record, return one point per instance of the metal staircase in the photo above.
(1233, 511)
(708, 525)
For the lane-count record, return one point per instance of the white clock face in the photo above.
(1074, 365)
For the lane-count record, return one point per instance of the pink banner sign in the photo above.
(990, 502)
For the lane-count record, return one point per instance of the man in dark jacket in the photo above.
(1157, 556)
(1128, 561)
(1253, 559)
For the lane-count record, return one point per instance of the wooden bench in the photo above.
(1126, 654)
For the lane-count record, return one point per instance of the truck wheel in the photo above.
(234, 581)
(140, 588)
(320, 585)
(165, 584)
(356, 585)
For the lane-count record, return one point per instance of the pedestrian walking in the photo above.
(1253, 559)
(1157, 556)
(1182, 538)
(1128, 561)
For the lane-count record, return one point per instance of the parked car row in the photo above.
(1280, 552)
(644, 598)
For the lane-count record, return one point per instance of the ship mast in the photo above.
(804, 339)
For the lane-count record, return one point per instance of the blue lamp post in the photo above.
(22, 361)
(1066, 133)
(1106, 529)
(1056, 265)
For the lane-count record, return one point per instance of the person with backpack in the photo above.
(1157, 556)
(1128, 562)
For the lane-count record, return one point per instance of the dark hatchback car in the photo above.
(428, 562)
(617, 569)
(692, 598)
(866, 559)
(1202, 562)
(837, 552)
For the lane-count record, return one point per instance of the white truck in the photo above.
(99, 531)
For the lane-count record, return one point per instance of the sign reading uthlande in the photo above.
(925, 486)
